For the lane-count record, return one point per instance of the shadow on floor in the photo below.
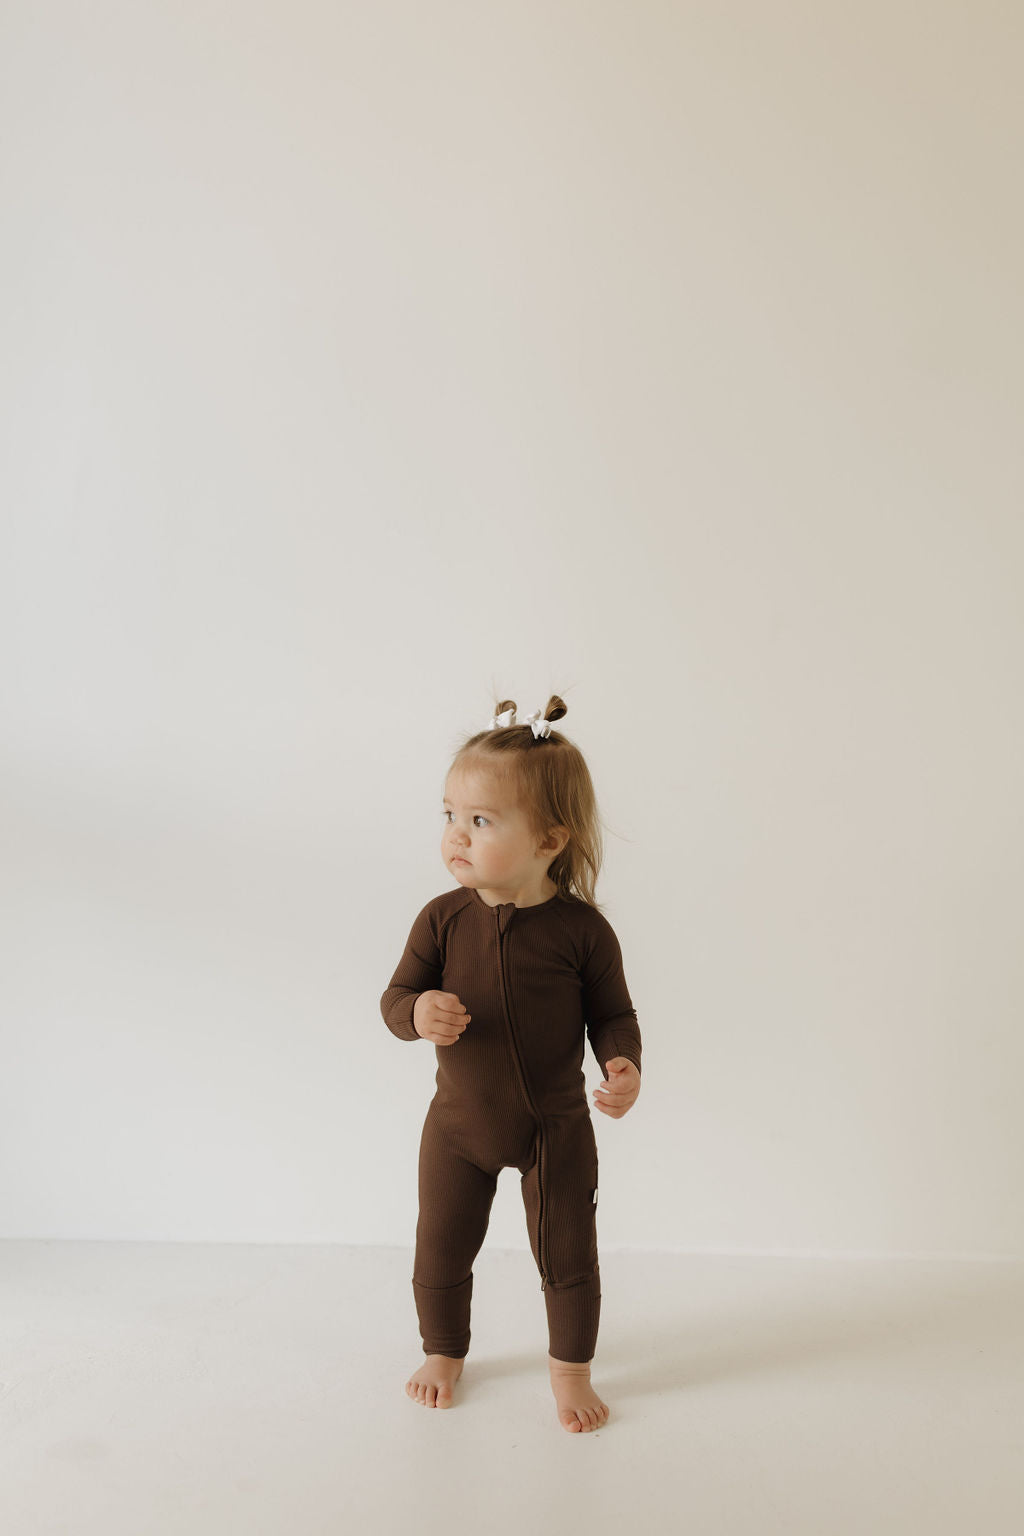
(976, 1306)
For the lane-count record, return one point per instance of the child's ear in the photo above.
(557, 838)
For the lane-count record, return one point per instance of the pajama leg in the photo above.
(455, 1206)
(559, 1187)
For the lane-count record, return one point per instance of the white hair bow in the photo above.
(539, 726)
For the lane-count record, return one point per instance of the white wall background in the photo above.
(359, 357)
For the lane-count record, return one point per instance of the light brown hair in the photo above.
(551, 782)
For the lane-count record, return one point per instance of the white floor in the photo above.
(243, 1390)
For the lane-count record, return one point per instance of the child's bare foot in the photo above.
(431, 1383)
(579, 1407)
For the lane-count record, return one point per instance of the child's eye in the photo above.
(478, 817)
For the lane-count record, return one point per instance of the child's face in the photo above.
(486, 830)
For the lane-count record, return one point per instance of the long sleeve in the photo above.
(608, 1010)
(419, 970)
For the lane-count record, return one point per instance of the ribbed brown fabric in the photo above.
(510, 1093)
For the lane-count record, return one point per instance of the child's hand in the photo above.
(439, 1017)
(620, 1092)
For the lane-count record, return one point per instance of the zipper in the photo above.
(526, 1090)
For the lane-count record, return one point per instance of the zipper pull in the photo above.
(543, 1282)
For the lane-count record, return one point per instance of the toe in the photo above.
(431, 1396)
(444, 1396)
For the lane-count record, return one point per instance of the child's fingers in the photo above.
(450, 1016)
(615, 1111)
(446, 1034)
(612, 1095)
(451, 1023)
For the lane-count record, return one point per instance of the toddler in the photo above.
(507, 976)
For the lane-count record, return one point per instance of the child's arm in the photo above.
(611, 1020)
(419, 970)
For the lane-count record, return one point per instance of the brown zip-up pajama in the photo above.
(510, 1093)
